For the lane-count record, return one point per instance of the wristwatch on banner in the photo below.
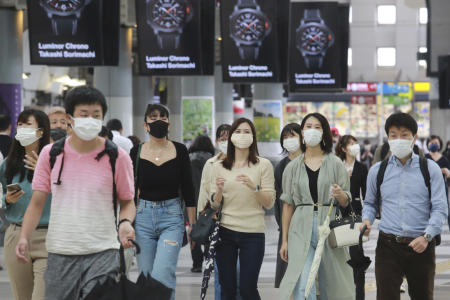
(313, 38)
(249, 26)
(64, 14)
(167, 18)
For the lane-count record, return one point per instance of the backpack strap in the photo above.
(380, 178)
(423, 162)
(57, 149)
(112, 151)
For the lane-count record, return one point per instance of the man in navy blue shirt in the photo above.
(410, 220)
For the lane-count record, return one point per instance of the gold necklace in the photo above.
(157, 157)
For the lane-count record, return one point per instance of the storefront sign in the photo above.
(393, 88)
(318, 44)
(362, 87)
(71, 33)
(250, 41)
(396, 100)
(364, 100)
(170, 37)
(422, 87)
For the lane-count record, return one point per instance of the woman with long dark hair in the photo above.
(164, 178)
(310, 182)
(290, 138)
(244, 183)
(33, 133)
(200, 151)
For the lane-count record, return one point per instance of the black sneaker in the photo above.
(196, 270)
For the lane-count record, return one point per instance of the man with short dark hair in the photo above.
(115, 126)
(82, 238)
(5, 132)
(411, 214)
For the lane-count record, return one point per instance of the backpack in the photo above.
(110, 149)
(423, 162)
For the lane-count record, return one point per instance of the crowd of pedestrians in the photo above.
(75, 192)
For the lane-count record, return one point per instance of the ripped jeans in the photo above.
(159, 232)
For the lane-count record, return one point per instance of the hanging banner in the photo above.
(250, 43)
(173, 38)
(11, 103)
(74, 33)
(267, 117)
(318, 45)
(198, 117)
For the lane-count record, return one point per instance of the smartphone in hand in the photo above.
(13, 187)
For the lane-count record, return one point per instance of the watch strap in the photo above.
(64, 25)
(312, 15)
(313, 61)
(168, 40)
(247, 3)
(249, 52)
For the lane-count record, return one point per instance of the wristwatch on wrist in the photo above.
(167, 18)
(313, 38)
(64, 14)
(428, 237)
(257, 189)
(249, 26)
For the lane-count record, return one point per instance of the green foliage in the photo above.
(197, 118)
(267, 129)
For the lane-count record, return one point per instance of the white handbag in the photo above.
(345, 232)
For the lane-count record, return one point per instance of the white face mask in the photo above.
(87, 129)
(223, 147)
(291, 144)
(242, 140)
(26, 136)
(400, 147)
(354, 150)
(312, 137)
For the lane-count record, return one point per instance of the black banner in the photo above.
(74, 32)
(318, 46)
(175, 37)
(250, 41)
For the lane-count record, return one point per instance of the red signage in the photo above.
(362, 87)
(364, 100)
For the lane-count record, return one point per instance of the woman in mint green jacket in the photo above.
(308, 183)
(33, 133)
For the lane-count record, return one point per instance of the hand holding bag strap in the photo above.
(363, 230)
(352, 214)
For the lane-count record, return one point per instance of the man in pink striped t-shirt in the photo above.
(82, 236)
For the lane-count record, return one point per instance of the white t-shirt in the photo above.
(121, 141)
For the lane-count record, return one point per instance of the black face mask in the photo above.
(159, 129)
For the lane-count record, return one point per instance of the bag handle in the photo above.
(361, 234)
(122, 270)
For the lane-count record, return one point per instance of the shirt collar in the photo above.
(395, 161)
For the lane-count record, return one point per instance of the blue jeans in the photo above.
(250, 249)
(299, 290)
(159, 232)
(217, 289)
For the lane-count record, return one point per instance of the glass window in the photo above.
(423, 15)
(349, 58)
(386, 57)
(387, 14)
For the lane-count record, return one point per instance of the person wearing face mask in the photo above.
(200, 151)
(310, 183)
(33, 133)
(290, 143)
(348, 149)
(434, 144)
(244, 183)
(83, 239)
(411, 216)
(164, 179)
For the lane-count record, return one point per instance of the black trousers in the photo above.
(251, 253)
(197, 256)
(394, 260)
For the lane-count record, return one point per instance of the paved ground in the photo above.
(189, 284)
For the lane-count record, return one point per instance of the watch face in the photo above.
(313, 39)
(63, 5)
(168, 14)
(249, 26)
